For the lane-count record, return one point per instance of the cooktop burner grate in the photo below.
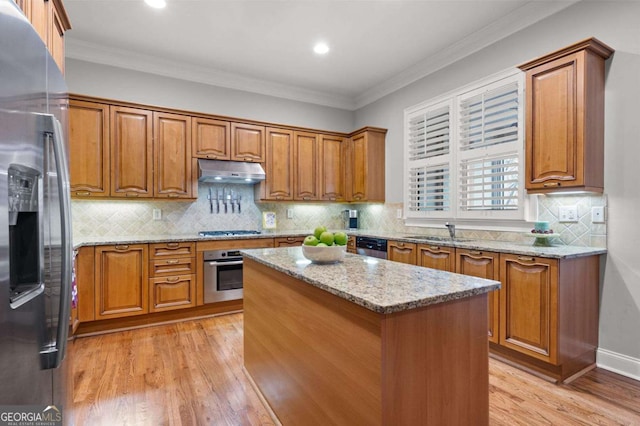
(230, 232)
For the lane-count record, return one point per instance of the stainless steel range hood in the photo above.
(230, 172)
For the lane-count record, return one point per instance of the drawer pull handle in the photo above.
(211, 156)
(475, 253)
(306, 198)
(83, 193)
(132, 194)
(526, 258)
(125, 247)
(173, 279)
(290, 239)
(436, 248)
(400, 244)
(173, 245)
(174, 195)
(551, 184)
(172, 261)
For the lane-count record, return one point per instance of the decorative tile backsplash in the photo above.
(106, 218)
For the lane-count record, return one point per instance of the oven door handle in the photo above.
(237, 262)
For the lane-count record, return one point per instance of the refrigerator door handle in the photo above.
(55, 128)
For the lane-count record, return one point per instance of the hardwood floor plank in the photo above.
(190, 373)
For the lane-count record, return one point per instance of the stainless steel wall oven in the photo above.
(222, 275)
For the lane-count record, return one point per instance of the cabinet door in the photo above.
(288, 241)
(399, 251)
(211, 139)
(121, 281)
(172, 151)
(351, 245)
(56, 35)
(247, 142)
(85, 280)
(528, 305)
(39, 17)
(437, 257)
(483, 264)
(89, 149)
(131, 152)
(358, 168)
(332, 164)
(305, 164)
(279, 165)
(170, 293)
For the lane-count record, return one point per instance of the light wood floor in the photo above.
(190, 373)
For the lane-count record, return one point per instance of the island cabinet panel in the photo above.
(121, 281)
(211, 139)
(437, 257)
(399, 251)
(332, 162)
(131, 152)
(483, 264)
(172, 153)
(323, 360)
(247, 142)
(305, 163)
(89, 149)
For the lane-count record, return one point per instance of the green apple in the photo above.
(327, 238)
(319, 230)
(340, 238)
(321, 245)
(310, 240)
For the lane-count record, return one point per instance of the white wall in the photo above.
(618, 25)
(92, 79)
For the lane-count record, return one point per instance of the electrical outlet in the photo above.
(157, 214)
(597, 214)
(289, 213)
(398, 213)
(568, 214)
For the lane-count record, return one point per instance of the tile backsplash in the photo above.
(107, 218)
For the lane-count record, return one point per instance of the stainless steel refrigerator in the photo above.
(35, 243)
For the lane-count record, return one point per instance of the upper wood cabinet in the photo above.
(211, 139)
(247, 142)
(278, 184)
(332, 165)
(306, 184)
(565, 119)
(131, 152)
(172, 153)
(437, 257)
(50, 21)
(399, 251)
(483, 264)
(366, 171)
(89, 149)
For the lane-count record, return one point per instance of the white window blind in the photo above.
(429, 134)
(490, 183)
(429, 189)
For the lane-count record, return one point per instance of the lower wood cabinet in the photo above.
(437, 257)
(483, 264)
(400, 251)
(288, 241)
(121, 281)
(174, 292)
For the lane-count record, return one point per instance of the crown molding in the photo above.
(91, 52)
(517, 20)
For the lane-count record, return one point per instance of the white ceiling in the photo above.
(265, 46)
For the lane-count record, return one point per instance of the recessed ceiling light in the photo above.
(321, 48)
(158, 4)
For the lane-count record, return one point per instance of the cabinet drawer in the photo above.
(174, 249)
(165, 267)
(169, 293)
(288, 241)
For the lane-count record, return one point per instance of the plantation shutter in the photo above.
(429, 189)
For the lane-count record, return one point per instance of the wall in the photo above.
(618, 25)
(126, 85)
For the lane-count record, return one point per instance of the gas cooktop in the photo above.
(230, 232)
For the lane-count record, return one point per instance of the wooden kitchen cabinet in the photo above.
(436, 257)
(248, 142)
(400, 251)
(170, 293)
(278, 185)
(288, 241)
(366, 170)
(483, 264)
(564, 147)
(85, 281)
(172, 155)
(351, 245)
(305, 166)
(211, 139)
(172, 279)
(89, 149)
(121, 281)
(332, 164)
(131, 152)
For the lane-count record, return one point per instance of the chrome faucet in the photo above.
(452, 229)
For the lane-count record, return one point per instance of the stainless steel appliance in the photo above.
(374, 247)
(35, 226)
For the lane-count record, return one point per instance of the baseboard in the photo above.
(618, 363)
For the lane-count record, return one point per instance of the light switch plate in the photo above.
(568, 214)
(597, 214)
(289, 213)
(398, 213)
(157, 214)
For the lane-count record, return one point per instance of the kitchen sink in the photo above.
(437, 238)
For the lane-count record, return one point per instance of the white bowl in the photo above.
(330, 254)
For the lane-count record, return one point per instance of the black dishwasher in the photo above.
(374, 247)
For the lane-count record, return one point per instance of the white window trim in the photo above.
(477, 220)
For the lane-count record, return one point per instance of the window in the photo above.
(463, 154)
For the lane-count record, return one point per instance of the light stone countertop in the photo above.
(522, 248)
(379, 285)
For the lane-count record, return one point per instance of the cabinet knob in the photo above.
(551, 184)
(83, 193)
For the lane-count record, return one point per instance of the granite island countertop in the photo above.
(379, 285)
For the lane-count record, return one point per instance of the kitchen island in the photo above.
(365, 341)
